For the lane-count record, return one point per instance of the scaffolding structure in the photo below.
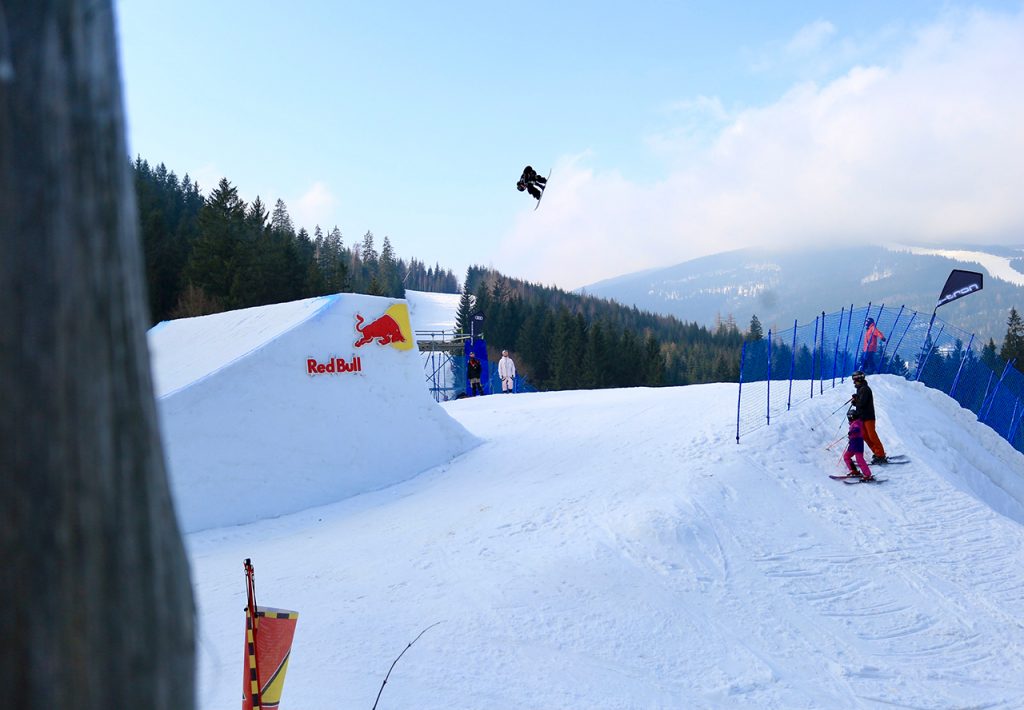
(441, 351)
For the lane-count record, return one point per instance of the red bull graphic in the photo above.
(333, 366)
(392, 328)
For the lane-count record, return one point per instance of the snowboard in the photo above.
(542, 192)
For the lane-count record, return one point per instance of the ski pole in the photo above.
(829, 447)
(832, 413)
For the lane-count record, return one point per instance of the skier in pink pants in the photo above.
(855, 449)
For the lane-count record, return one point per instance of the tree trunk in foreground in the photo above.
(96, 600)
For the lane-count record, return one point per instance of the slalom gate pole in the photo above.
(250, 584)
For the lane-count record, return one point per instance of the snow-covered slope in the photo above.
(618, 549)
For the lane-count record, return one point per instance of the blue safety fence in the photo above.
(799, 363)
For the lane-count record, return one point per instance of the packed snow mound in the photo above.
(271, 410)
(433, 311)
(618, 549)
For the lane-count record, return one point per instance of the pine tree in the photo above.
(367, 252)
(280, 220)
(213, 260)
(755, 333)
(464, 313)
(989, 356)
(1013, 343)
(388, 270)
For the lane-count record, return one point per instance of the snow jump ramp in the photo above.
(275, 409)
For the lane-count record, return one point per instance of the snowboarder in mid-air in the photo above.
(532, 183)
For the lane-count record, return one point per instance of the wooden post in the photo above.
(98, 605)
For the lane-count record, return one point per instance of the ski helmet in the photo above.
(858, 375)
(851, 413)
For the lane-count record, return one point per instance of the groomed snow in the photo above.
(618, 549)
(432, 311)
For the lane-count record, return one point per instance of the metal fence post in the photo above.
(846, 346)
(920, 365)
(792, 369)
(739, 395)
(881, 360)
(814, 352)
(860, 339)
(1015, 426)
(905, 331)
(835, 355)
(768, 407)
(992, 399)
(956, 380)
(821, 357)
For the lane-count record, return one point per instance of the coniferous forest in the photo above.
(207, 254)
(563, 340)
(216, 253)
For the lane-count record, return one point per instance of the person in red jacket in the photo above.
(872, 335)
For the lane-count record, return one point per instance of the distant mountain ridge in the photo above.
(782, 286)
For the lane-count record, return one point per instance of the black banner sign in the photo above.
(959, 284)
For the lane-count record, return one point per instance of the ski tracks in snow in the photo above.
(904, 601)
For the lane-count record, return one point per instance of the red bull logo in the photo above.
(333, 366)
(392, 328)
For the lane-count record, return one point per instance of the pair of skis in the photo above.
(854, 478)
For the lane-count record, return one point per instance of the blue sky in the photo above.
(673, 129)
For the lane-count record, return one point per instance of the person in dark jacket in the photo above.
(864, 401)
(473, 369)
(532, 182)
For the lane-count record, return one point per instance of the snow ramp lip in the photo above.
(171, 377)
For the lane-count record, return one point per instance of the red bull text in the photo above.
(333, 366)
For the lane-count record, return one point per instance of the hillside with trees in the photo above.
(210, 254)
(562, 340)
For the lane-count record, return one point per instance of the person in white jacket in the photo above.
(507, 372)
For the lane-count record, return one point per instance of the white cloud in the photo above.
(927, 147)
(811, 38)
(316, 206)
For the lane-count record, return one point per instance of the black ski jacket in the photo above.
(473, 369)
(864, 401)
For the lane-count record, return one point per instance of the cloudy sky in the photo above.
(672, 129)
